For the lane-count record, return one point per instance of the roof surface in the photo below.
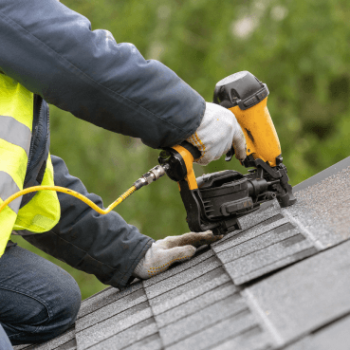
(281, 282)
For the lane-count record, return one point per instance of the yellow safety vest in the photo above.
(42, 212)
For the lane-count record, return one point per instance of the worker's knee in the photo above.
(66, 310)
(63, 309)
(38, 299)
(62, 302)
(39, 319)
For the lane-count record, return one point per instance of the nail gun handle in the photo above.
(179, 163)
(184, 156)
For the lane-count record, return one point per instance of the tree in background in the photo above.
(298, 47)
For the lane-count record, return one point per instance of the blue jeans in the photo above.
(38, 300)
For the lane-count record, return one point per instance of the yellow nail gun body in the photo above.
(215, 201)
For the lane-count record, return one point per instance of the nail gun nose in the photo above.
(258, 186)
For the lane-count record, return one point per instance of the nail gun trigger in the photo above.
(230, 154)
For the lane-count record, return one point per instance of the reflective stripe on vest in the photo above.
(42, 212)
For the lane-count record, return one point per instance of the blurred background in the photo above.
(300, 48)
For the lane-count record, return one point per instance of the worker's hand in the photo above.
(165, 252)
(218, 131)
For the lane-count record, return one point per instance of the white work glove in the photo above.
(218, 131)
(164, 252)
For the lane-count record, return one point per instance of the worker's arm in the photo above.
(103, 245)
(52, 51)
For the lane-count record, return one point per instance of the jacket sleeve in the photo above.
(103, 245)
(52, 51)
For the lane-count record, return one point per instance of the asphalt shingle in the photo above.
(333, 337)
(182, 277)
(112, 326)
(129, 336)
(152, 342)
(218, 332)
(195, 304)
(267, 212)
(105, 297)
(70, 345)
(203, 318)
(260, 242)
(252, 339)
(269, 259)
(276, 265)
(188, 291)
(308, 295)
(67, 338)
(323, 209)
(111, 309)
(251, 233)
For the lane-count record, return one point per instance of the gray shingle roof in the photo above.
(281, 282)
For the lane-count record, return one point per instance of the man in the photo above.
(49, 53)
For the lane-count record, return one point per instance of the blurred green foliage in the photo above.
(298, 47)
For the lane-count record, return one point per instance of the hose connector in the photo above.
(152, 175)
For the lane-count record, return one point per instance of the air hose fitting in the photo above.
(152, 175)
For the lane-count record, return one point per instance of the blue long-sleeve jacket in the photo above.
(52, 51)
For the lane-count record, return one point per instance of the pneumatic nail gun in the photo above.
(215, 201)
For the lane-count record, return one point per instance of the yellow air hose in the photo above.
(152, 175)
(71, 193)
